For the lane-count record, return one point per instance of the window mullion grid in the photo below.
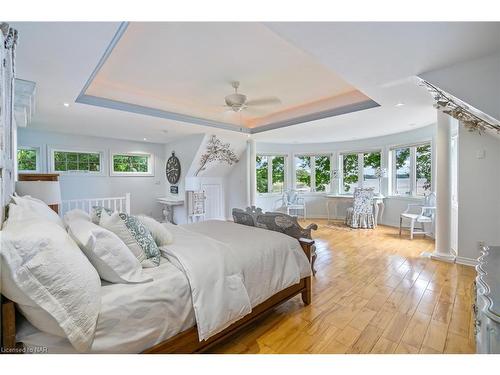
(413, 170)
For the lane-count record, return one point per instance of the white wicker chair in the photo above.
(419, 214)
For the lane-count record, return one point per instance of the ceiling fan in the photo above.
(238, 102)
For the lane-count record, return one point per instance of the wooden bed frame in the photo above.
(186, 341)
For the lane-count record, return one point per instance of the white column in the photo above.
(443, 189)
(251, 173)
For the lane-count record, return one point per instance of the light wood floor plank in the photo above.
(373, 293)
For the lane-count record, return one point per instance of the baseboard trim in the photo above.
(436, 256)
(466, 261)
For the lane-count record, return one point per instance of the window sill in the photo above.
(404, 198)
(131, 174)
(79, 174)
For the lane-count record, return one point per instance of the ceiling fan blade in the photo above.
(269, 100)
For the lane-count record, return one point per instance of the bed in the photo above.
(158, 317)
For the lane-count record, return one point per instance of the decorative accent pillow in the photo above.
(135, 235)
(108, 254)
(97, 211)
(161, 234)
(45, 273)
(39, 207)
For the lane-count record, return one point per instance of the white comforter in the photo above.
(134, 317)
(232, 267)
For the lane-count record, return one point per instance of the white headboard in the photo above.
(121, 204)
(8, 148)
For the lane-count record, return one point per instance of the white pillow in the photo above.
(108, 254)
(135, 235)
(46, 274)
(39, 207)
(75, 215)
(161, 234)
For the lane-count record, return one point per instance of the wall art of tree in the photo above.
(217, 151)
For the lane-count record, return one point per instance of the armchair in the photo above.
(292, 201)
(419, 213)
(361, 214)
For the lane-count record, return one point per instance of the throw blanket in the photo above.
(232, 268)
(218, 293)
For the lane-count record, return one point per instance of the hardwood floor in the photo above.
(372, 293)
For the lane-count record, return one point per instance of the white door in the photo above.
(214, 207)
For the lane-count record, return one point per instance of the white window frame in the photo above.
(413, 168)
(149, 173)
(361, 162)
(270, 172)
(51, 163)
(38, 159)
(313, 171)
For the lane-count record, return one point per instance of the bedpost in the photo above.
(307, 246)
(8, 325)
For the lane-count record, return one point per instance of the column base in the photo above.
(438, 256)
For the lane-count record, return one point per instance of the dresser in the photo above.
(487, 301)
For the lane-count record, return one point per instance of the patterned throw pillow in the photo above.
(135, 235)
(96, 213)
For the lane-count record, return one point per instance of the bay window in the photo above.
(271, 173)
(312, 173)
(411, 167)
(359, 170)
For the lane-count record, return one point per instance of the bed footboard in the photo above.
(307, 246)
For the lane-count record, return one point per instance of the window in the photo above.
(27, 159)
(424, 165)
(359, 170)
(412, 167)
(312, 173)
(131, 164)
(322, 173)
(262, 174)
(303, 173)
(350, 172)
(75, 161)
(371, 162)
(402, 185)
(271, 170)
(278, 174)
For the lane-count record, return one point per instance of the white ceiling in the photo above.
(377, 58)
(192, 71)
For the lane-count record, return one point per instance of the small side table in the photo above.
(168, 207)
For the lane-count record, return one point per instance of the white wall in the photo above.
(316, 202)
(476, 82)
(236, 186)
(185, 149)
(144, 190)
(189, 150)
(478, 192)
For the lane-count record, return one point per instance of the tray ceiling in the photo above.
(183, 71)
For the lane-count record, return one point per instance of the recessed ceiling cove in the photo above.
(236, 76)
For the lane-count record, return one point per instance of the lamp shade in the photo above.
(47, 191)
(192, 184)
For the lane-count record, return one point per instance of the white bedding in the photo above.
(270, 261)
(135, 317)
